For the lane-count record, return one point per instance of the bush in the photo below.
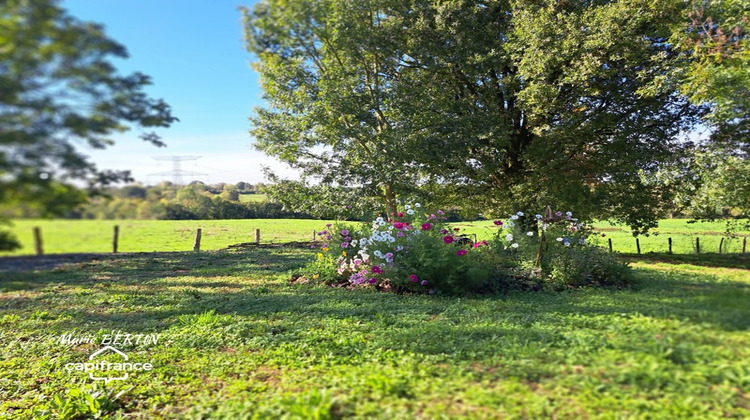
(416, 251)
(8, 241)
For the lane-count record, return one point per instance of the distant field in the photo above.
(253, 198)
(63, 236)
(683, 236)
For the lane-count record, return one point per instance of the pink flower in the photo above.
(413, 278)
(461, 252)
(477, 244)
(448, 239)
(444, 231)
(399, 214)
(426, 226)
(399, 225)
(377, 270)
(456, 229)
(440, 212)
(498, 222)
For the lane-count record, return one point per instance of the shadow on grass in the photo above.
(152, 293)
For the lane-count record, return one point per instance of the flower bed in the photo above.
(417, 251)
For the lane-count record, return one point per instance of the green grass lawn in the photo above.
(683, 236)
(236, 340)
(253, 198)
(68, 236)
(63, 236)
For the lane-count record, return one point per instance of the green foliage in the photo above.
(8, 241)
(92, 402)
(60, 87)
(517, 104)
(587, 266)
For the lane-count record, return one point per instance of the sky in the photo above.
(194, 52)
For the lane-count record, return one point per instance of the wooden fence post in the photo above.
(197, 243)
(610, 244)
(38, 240)
(314, 235)
(744, 244)
(697, 245)
(670, 245)
(721, 243)
(115, 239)
(257, 236)
(638, 245)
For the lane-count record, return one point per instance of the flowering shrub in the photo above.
(415, 250)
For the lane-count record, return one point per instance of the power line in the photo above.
(177, 172)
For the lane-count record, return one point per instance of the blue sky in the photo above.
(194, 52)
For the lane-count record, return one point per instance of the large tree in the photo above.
(59, 89)
(519, 104)
(330, 70)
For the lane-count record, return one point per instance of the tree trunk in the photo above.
(389, 195)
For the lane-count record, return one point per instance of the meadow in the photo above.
(237, 340)
(61, 236)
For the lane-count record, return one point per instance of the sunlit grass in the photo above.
(238, 340)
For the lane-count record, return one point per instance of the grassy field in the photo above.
(62, 236)
(253, 198)
(177, 235)
(236, 340)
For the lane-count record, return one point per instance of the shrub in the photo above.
(417, 251)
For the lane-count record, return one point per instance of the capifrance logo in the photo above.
(109, 363)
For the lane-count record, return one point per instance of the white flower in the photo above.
(377, 253)
(582, 241)
(417, 205)
(520, 213)
(545, 226)
(354, 243)
(509, 237)
(391, 239)
(567, 243)
(511, 224)
(559, 239)
(390, 227)
(410, 212)
(529, 233)
(514, 217)
(381, 223)
(538, 216)
(379, 219)
(514, 245)
(399, 248)
(567, 213)
(407, 207)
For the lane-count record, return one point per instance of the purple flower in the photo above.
(413, 278)
(444, 231)
(423, 283)
(400, 234)
(348, 238)
(344, 244)
(498, 222)
(328, 225)
(377, 270)
(558, 213)
(448, 239)
(461, 252)
(344, 232)
(372, 280)
(440, 212)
